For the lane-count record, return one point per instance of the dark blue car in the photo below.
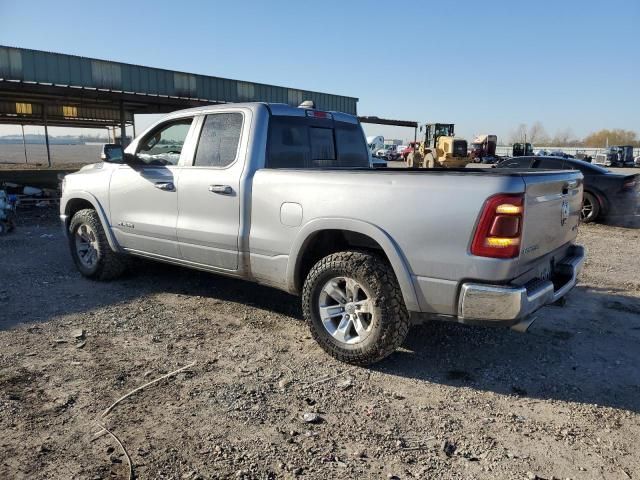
(606, 194)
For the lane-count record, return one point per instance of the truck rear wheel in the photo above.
(354, 307)
(90, 249)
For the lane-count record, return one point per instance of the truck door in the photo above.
(143, 197)
(209, 196)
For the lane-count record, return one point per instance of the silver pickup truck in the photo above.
(285, 197)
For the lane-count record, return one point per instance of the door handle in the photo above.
(166, 186)
(221, 189)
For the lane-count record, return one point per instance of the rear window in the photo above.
(303, 142)
(322, 144)
(517, 162)
(549, 163)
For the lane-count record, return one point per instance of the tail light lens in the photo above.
(499, 229)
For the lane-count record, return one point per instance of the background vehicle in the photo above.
(375, 143)
(439, 148)
(408, 149)
(522, 149)
(286, 197)
(616, 156)
(483, 149)
(389, 152)
(606, 194)
(559, 154)
(585, 157)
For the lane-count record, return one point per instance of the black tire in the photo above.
(108, 264)
(389, 324)
(590, 208)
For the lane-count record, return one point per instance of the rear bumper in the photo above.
(623, 204)
(510, 305)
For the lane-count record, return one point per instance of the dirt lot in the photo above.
(562, 400)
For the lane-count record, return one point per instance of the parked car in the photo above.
(286, 197)
(389, 153)
(606, 194)
(637, 161)
(558, 153)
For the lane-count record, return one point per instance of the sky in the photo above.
(485, 66)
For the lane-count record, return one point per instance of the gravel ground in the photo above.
(562, 400)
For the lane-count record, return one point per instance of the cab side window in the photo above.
(163, 146)
(219, 140)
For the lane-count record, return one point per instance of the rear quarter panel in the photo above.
(429, 216)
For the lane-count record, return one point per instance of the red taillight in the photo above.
(500, 227)
(629, 184)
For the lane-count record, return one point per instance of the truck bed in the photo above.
(431, 216)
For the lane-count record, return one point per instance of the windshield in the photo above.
(442, 130)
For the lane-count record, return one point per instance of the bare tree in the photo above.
(537, 133)
(534, 134)
(564, 138)
(519, 134)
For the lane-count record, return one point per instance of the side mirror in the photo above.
(112, 153)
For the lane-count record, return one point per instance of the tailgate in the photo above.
(553, 201)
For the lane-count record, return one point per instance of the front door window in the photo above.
(164, 145)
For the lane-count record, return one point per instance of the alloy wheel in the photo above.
(86, 242)
(346, 308)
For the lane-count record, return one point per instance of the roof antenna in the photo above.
(308, 104)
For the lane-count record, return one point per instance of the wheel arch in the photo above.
(81, 200)
(602, 199)
(321, 237)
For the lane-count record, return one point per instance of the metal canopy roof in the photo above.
(101, 89)
(387, 121)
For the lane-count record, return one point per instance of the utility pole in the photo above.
(24, 144)
(46, 134)
(123, 126)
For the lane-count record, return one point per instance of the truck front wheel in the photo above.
(354, 307)
(90, 249)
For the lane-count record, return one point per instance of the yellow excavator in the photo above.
(439, 149)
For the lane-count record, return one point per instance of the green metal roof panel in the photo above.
(25, 65)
